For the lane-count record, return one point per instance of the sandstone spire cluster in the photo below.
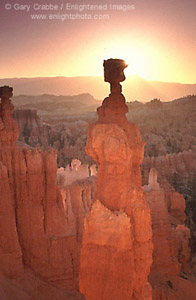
(38, 227)
(117, 246)
(42, 217)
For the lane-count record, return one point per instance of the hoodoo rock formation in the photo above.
(167, 251)
(117, 246)
(170, 239)
(67, 176)
(42, 213)
(168, 166)
(10, 251)
(40, 227)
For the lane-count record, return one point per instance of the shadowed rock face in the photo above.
(32, 130)
(170, 239)
(170, 165)
(116, 259)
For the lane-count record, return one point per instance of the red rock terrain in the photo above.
(41, 224)
(171, 242)
(117, 245)
(167, 166)
(40, 228)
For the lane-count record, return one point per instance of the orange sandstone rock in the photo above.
(168, 166)
(10, 251)
(107, 255)
(40, 227)
(170, 239)
(116, 250)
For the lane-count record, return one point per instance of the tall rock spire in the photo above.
(8, 127)
(117, 246)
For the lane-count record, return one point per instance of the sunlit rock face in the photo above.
(117, 246)
(10, 251)
(41, 224)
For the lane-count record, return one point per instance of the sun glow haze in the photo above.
(138, 57)
(144, 59)
(156, 40)
(151, 59)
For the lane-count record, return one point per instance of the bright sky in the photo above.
(157, 38)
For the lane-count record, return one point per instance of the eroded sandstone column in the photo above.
(40, 225)
(10, 251)
(117, 247)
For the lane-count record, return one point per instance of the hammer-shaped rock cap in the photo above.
(114, 70)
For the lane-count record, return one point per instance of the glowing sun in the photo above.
(139, 57)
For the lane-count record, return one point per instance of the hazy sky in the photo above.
(156, 37)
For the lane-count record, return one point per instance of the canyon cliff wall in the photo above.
(31, 129)
(67, 136)
(40, 226)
